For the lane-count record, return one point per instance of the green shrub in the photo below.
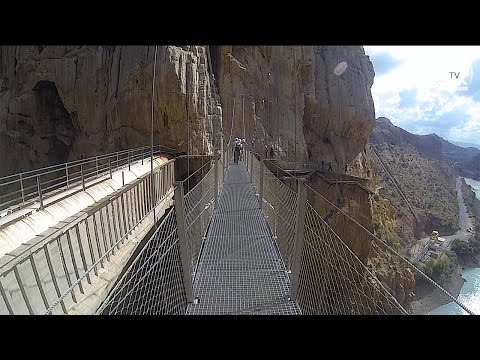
(428, 267)
(462, 248)
(393, 240)
(440, 269)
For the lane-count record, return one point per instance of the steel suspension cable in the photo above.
(276, 84)
(295, 116)
(151, 138)
(188, 123)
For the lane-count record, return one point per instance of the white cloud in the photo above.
(438, 106)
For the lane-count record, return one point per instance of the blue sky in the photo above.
(416, 89)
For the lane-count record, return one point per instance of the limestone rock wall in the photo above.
(58, 103)
(290, 97)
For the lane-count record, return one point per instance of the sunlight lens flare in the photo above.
(340, 68)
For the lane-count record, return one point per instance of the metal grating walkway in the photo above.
(240, 270)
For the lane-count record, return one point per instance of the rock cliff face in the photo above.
(398, 278)
(58, 103)
(289, 96)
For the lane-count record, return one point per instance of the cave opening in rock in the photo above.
(53, 123)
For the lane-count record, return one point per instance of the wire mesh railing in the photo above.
(199, 205)
(48, 274)
(279, 207)
(152, 284)
(333, 281)
(32, 187)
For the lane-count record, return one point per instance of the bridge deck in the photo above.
(240, 270)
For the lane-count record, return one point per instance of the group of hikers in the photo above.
(239, 154)
(239, 148)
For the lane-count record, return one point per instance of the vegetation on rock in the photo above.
(428, 185)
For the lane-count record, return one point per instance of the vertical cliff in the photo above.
(58, 103)
(289, 96)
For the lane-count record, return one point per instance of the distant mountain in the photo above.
(464, 144)
(466, 160)
(426, 178)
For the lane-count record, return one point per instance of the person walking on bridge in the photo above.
(242, 148)
(236, 150)
(272, 152)
(330, 166)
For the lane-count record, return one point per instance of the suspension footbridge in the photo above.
(225, 239)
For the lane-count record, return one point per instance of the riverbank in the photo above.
(430, 297)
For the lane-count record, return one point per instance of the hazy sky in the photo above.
(415, 89)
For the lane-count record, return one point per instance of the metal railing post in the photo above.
(251, 167)
(225, 162)
(39, 187)
(96, 164)
(223, 166)
(142, 155)
(128, 156)
(22, 290)
(7, 302)
(123, 179)
(21, 188)
(83, 178)
(215, 180)
(260, 190)
(110, 166)
(182, 240)
(299, 238)
(66, 173)
(117, 160)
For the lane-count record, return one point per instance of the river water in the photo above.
(470, 293)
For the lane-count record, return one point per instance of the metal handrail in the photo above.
(202, 218)
(78, 162)
(123, 222)
(110, 251)
(115, 228)
(20, 255)
(196, 171)
(30, 187)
